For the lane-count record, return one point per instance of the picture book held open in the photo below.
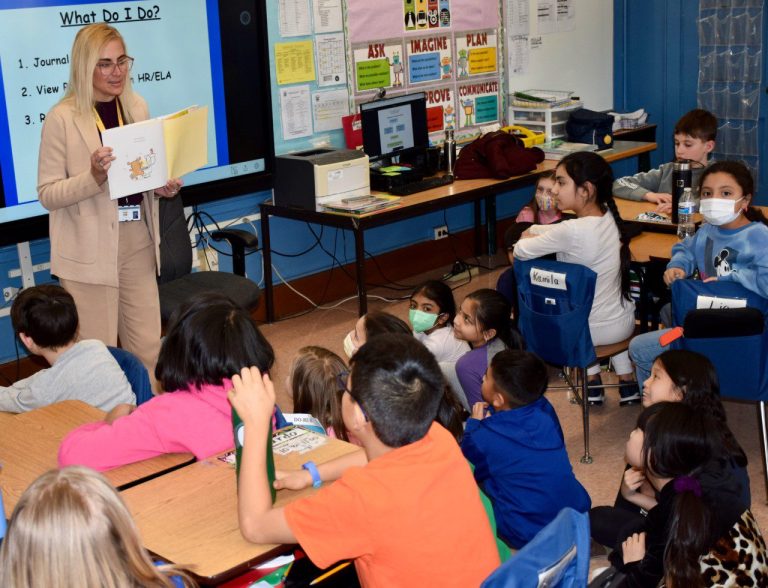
(150, 152)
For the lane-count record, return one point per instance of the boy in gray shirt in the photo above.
(695, 135)
(45, 319)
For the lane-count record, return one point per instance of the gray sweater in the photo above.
(657, 180)
(86, 371)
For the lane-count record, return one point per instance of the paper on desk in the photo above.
(296, 440)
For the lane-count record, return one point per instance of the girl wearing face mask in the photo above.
(431, 313)
(732, 246)
(541, 210)
(372, 324)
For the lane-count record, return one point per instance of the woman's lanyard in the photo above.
(100, 123)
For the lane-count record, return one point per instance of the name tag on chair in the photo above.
(717, 302)
(547, 279)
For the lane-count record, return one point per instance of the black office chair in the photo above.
(177, 282)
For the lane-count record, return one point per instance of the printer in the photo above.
(308, 179)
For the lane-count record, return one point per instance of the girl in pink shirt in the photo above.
(210, 338)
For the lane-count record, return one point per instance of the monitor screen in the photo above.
(204, 52)
(394, 126)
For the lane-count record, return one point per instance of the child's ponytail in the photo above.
(585, 166)
(679, 442)
(689, 534)
(493, 311)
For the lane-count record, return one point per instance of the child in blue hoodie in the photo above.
(516, 445)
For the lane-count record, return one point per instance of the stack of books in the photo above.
(360, 204)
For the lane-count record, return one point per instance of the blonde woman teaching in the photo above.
(105, 252)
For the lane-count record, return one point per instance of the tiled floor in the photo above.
(610, 424)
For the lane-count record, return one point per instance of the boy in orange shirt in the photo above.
(412, 516)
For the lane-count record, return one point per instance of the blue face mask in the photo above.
(421, 321)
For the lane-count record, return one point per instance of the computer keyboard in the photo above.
(421, 185)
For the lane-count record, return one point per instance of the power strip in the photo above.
(466, 274)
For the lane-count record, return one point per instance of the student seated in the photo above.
(695, 135)
(71, 528)
(515, 442)
(431, 313)
(412, 516)
(371, 324)
(731, 246)
(45, 319)
(209, 338)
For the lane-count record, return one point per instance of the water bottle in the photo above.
(681, 179)
(238, 429)
(686, 207)
(449, 151)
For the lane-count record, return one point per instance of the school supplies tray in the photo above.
(542, 98)
(527, 136)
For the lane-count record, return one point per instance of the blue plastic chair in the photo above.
(736, 342)
(134, 370)
(557, 557)
(555, 299)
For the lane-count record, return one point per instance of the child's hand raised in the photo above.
(252, 395)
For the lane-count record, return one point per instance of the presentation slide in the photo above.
(177, 47)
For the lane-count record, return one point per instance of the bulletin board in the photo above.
(449, 49)
(309, 73)
(561, 45)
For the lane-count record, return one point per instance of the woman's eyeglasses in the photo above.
(107, 68)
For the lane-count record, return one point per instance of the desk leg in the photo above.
(362, 298)
(478, 229)
(266, 255)
(490, 220)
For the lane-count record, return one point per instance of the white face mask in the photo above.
(719, 211)
(349, 346)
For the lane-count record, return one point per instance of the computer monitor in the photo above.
(394, 126)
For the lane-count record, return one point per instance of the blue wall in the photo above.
(656, 66)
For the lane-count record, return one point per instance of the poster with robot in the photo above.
(429, 59)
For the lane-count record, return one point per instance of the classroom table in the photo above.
(476, 191)
(189, 517)
(29, 446)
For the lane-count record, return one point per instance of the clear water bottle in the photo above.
(686, 207)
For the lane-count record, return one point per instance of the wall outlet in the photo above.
(9, 293)
(441, 232)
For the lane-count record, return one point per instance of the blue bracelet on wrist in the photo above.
(312, 469)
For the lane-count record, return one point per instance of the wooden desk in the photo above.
(460, 192)
(189, 517)
(29, 446)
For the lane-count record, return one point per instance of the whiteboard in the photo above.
(580, 60)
